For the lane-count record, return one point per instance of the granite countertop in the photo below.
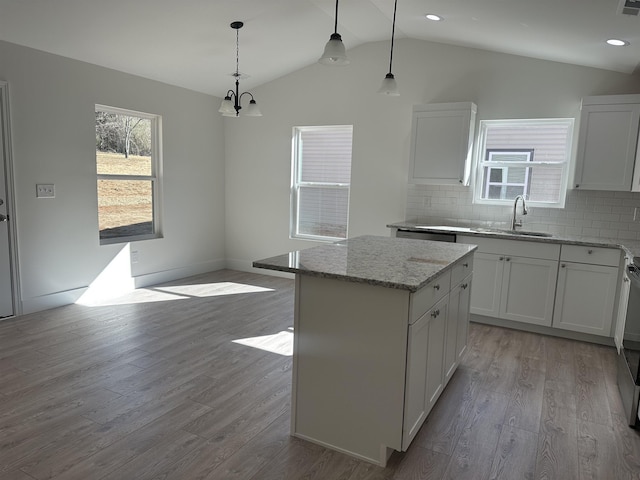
(630, 247)
(384, 261)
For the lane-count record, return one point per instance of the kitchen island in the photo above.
(379, 327)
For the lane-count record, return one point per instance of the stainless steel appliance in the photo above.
(436, 237)
(629, 357)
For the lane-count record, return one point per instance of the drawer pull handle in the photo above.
(464, 285)
(437, 286)
(501, 258)
(435, 313)
(508, 259)
(465, 265)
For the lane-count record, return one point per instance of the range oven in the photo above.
(629, 357)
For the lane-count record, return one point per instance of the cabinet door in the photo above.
(485, 296)
(463, 317)
(416, 379)
(585, 298)
(425, 368)
(528, 290)
(435, 353)
(625, 288)
(607, 147)
(451, 333)
(441, 143)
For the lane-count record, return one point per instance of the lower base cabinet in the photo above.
(585, 298)
(366, 374)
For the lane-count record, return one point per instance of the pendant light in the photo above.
(229, 108)
(389, 85)
(334, 51)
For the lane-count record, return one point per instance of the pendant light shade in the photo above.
(389, 85)
(334, 51)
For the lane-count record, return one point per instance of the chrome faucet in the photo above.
(518, 223)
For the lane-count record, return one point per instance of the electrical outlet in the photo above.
(45, 190)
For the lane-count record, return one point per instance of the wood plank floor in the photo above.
(191, 380)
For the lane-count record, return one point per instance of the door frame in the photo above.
(5, 124)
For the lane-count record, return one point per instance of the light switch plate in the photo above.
(45, 190)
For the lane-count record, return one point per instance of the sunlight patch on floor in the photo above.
(167, 293)
(280, 343)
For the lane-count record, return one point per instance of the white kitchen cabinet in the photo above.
(623, 300)
(586, 292)
(457, 326)
(607, 143)
(425, 367)
(442, 143)
(369, 361)
(514, 280)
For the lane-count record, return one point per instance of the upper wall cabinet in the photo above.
(607, 143)
(441, 143)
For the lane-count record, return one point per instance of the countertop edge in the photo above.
(626, 247)
(370, 281)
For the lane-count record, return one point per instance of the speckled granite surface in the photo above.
(630, 247)
(385, 261)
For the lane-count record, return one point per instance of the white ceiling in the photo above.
(189, 42)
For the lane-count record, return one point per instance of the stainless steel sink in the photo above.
(530, 234)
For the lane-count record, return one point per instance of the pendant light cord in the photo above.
(335, 28)
(393, 31)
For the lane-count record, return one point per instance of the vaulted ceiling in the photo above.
(189, 42)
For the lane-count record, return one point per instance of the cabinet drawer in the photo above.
(461, 270)
(518, 248)
(427, 296)
(590, 255)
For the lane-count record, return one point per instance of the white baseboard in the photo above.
(52, 300)
(155, 278)
(58, 299)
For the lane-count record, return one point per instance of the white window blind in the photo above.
(321, 178)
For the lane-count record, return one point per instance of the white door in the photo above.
(6, 275)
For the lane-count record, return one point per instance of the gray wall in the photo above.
(258, 151)
(52, 113)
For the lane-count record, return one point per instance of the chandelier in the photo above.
(230, 106)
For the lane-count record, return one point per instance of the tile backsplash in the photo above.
(588, 213)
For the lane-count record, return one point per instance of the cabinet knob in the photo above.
(501, 258)
(589, 251)
(464, 285)
(564, 265)
(436, 287)
(435, 313)
(577, 185)
(465, 265)
(508, 259)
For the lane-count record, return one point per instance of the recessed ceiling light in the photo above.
(617, 43)
(433, 16)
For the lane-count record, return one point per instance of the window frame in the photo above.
(296, 183)
(504, 166)
(481, 151)
(155, 177)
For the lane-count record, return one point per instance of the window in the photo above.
(523, 157)
(128, 167)
(320, 181)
